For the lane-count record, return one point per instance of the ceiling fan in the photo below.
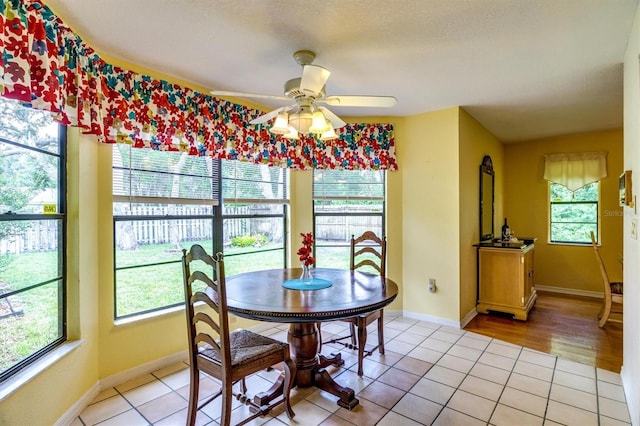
(304, 115)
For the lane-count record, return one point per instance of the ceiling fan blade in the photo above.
(360, 101)
(272, 114)
(336, 121)
(268, 116)
(313, 79)
(247, 95)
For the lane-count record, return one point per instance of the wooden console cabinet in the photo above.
(505, 278)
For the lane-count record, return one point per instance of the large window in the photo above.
(162, 202)
(255, 201)
(345, 203)
(573, 215)
(32, 236)
(166, 201)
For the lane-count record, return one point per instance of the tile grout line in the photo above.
(553, 374)
(457, 387)
(408, 391)
(120, 394)
(597, 397)
(130, 403)
(172, 391)
(504, 387)
(390, 409)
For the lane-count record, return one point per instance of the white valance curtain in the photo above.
(575, 169)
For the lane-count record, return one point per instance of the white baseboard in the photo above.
(392, 313)
(467, 318)
(140, 370)
(431, 318)
(570, 291)
(442, 321)
(74, 411)
(117, 379)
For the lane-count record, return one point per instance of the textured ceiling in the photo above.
(524, 68)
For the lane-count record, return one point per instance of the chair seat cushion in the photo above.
(616, 287)
(246, 346)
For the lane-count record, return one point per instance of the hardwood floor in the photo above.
(562, 325)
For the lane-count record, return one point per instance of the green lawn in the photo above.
(139, 289)
(29, 320)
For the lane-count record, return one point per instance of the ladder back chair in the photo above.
(612, 290)
(228, 356)
(367, 250)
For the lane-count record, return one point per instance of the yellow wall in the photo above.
(475, 143)
(428, 159)
(301, 211)
(439, 156)
(526, 207)
(394, 209)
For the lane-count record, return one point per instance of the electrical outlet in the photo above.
(432, 285)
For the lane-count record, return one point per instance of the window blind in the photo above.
(244, 182)
(148, 176)
(362, 185)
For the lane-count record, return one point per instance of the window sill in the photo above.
(26, 375)
(570, 244)
(148, 316)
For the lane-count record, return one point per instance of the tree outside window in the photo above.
(32, 232)
(573, 214)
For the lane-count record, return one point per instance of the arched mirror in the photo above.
(486, 199)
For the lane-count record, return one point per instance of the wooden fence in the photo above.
(43, 235)
(340, 228)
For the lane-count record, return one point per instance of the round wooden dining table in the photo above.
(260, 295)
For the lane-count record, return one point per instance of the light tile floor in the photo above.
(430, 375)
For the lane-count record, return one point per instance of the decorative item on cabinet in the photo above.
(506, 232)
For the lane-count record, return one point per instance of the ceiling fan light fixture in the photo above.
(328, 134)
(301, 121)
(281, 125)
(293, 134)
(319, 123)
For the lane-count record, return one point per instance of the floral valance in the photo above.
(47, 66)
(575, 169)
